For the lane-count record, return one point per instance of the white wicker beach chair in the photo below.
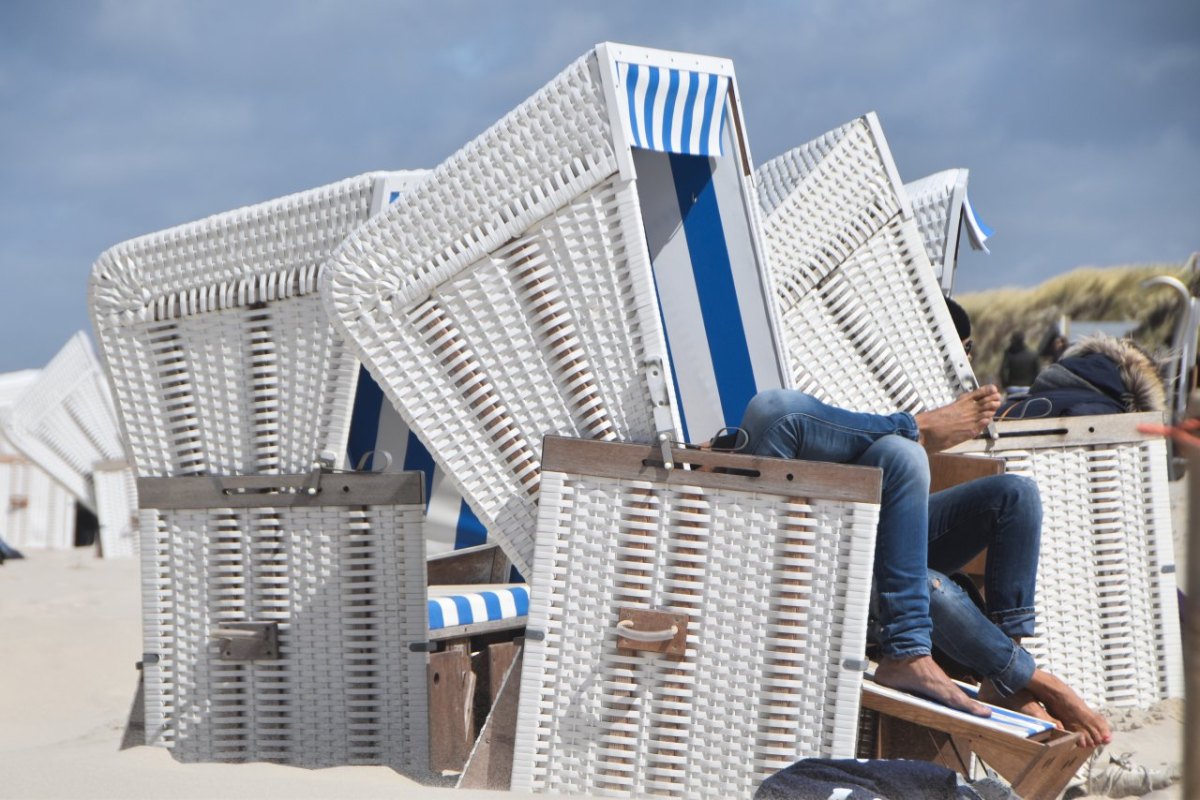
(511, 295)
(36, 511)
(937, 203)
(225, 364)
(691, 632)
(1108, 619)
(65, 422)
(861, 313)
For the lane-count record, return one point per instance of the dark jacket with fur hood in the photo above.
(1099, 375)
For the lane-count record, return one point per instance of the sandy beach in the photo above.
(71, 629)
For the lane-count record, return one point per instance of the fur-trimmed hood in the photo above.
(1099, 375)
(1144, 387)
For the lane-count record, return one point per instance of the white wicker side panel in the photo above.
(116, 511)
(1107, 612)
(545, 335)
(1168, 635)
(346, 586)
(776, 593)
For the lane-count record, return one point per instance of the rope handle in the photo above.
(625, 629)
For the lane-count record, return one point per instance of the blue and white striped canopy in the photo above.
(673, 110)
(976, 229)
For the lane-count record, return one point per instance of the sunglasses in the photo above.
(968, 346)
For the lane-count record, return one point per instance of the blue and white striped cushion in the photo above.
(466, 608)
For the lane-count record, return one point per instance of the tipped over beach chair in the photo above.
(64, 422)
(861, 314)
(568, 272)
(691, 631)
(36, 511)
(284, 606)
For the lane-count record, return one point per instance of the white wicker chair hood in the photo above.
(512, 294)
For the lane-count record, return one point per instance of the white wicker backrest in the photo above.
(511, 295)
(772, 575)
(860, 310)
(1106, 593)
(219, 351)
(65, 422)
(937, 203)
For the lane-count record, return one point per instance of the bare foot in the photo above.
(963, 419)
(1021, 701)
(1062, 702)
(922, 676)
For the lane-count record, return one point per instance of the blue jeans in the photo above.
(914, 606)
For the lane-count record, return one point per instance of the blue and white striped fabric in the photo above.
(976, 229)
(673, 110)
(467, 608)
(376, 425)
(714, 307)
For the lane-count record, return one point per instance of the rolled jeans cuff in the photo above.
(1017, 623)
(1016, 674)
(906, 426)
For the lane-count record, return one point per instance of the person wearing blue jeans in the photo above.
(922, 537)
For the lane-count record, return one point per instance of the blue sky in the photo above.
(1077, 119)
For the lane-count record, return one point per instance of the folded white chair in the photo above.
(861, 313)
(756, 572)
(36, 511)
(227, 371)
(1108, 620)
(65, 422)
(512, 295)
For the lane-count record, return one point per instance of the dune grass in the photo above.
(1089, 293)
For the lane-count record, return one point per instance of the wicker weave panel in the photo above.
(775, 589)
(65, 422)
(829, 212)
(217, 346)
(859, 306)
(1107, 613)
(346, 586)
(545, 335)
(116, 505)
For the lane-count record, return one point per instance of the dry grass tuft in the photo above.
(1108, 294)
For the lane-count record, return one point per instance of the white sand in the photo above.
(70, 627)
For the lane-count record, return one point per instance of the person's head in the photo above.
(1017, 340)
(962, 324)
